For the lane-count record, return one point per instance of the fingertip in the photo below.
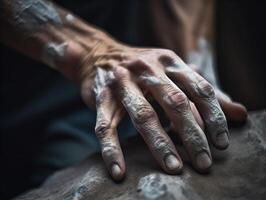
(203, 162)
(236, 111)
(242, 111)
(116, 172)
(222, 141)
(115, 163)
(172, 164)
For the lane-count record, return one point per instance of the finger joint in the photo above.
(144, 113)
(177, 100)
(102, 128)
(205, 90)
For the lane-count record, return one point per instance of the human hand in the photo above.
(117, 77)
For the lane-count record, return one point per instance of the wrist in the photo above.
(81, 54)
(60, 40)
(73, 46)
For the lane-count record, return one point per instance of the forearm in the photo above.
(48, 33)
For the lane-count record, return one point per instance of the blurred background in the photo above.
(235, 31)
(240, 38)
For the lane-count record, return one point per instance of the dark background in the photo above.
(240, 32)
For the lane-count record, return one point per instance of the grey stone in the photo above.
(237, 173)
(158, 186)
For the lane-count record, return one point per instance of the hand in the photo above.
(116, 77)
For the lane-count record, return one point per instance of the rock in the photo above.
(237, 173)
(158, 186)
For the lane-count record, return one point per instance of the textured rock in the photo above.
(237, 173)
(158, 186)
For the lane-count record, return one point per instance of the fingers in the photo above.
(177, 107)
(203, 96)
(108, 116)
(232, 110)
(147, 124)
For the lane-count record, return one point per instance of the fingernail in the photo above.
(203, 160)
(172, 163)
(115, 171)
(222, 140)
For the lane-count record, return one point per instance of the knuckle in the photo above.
(102, 128)
(217, 118)
(167, 57)
(194, 140)
(217, 121)
(178, 101)
(144, 113)
(143, 64)
(161, 144)
(121, 72)
(205, 89)
(109, 150)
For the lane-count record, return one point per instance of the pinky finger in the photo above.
(232, 110)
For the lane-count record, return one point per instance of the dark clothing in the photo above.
(44, 124)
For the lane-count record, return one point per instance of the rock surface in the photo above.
(237, 173)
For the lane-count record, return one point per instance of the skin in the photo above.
(115, 78)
